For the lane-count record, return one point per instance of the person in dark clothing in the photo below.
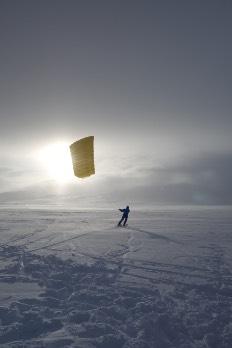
(125, 214)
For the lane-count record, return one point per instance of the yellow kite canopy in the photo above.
(82, 153)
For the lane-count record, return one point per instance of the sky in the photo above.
(151, 80)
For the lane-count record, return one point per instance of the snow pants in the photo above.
(125, 220)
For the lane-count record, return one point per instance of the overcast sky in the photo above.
(151, 80)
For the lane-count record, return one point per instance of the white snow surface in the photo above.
(74, 279)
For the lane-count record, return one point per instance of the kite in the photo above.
(82, 152)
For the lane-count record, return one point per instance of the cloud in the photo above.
(204, 180)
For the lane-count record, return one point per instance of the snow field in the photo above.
(73, 279)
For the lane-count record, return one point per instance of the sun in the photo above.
(57, 163)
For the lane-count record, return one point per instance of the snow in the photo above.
(74, 279)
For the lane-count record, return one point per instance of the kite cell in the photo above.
(82, 152)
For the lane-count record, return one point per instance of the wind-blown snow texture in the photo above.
(73, 279)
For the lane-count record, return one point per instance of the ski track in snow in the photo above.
(67, 280)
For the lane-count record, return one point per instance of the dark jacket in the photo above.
(125, 212)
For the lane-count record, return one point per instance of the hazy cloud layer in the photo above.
(199, 181)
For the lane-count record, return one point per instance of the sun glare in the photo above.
(57, 162)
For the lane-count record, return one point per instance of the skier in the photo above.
(124, 215)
